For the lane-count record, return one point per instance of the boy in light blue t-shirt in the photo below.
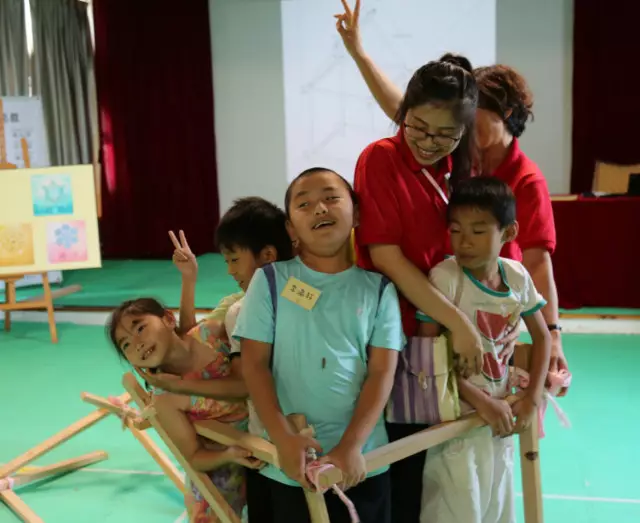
(320, 337)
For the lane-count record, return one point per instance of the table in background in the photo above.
(597, 259)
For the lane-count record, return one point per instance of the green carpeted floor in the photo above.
(589, 471)
(118, 281)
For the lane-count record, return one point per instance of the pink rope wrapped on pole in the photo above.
(556, 382)
(314, 469)
(7, 483)
(129, 413)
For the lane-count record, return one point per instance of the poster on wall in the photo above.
(48, 220)
(23, 117)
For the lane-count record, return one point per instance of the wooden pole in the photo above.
(202, 482)
(51, 443)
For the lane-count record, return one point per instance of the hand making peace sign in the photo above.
(348, 26)
(183, 258)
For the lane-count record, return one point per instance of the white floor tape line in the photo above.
(569, 325)
(98, 470)
(124, 471)
(562, 497)
(626, 501)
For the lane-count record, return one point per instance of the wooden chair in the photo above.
(383, 456)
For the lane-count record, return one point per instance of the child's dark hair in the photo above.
(501, 89)
(138, 307)
(448, 80)
(488, 194)
(254, 223)
(309, 172)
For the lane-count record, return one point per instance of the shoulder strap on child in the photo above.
(270, 273)
(384, 281)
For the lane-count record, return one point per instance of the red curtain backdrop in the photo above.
(596, 261)
(606, 87)
(155, 96)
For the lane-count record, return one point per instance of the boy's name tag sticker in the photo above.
(301, 293)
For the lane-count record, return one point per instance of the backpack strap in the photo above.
(384, 281)
(270, 273)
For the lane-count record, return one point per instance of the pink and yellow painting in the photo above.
(16, 245)
(66, 241)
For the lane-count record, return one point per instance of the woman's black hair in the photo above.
(254, 223)
(448, 80)
(488, 194)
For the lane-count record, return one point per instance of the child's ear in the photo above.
(356, 216)
(510, 232)
(268, 255)
(292, 233)
(169, 319)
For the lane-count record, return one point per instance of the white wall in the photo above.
(536, 38)
(330, 114)
(248, 88)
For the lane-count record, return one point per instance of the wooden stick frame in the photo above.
(16, 473)
(137, 426)
(381, 457)
(201, 481)
(45, 301)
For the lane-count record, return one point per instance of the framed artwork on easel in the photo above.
(48, 222)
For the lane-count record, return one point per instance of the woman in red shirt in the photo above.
(403, 193)
(403, 184)
(504, 106)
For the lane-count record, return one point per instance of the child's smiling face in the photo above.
(144, 339)
(241, 264)
(321, 213)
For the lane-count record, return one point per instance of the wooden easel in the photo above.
(16, 473)
(44, 301)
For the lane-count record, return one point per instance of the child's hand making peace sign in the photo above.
(183, 258)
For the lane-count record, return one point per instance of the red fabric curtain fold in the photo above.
(155, 96)
(606, 76)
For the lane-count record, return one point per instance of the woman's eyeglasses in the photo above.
(442, 140)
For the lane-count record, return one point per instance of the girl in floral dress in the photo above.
(198, 380)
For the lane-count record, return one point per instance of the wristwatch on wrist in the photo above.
(554, 327)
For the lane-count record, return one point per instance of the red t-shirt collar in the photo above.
(437, 171)
(506, 166)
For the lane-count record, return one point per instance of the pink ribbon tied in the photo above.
(314, 469)
(126, 412)
(557, 381)
(6, 483)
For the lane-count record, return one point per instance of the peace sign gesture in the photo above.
(183, 258)
(348, 27)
